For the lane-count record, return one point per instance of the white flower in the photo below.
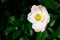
(39, 18)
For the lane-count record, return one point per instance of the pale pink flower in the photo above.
(39, 18)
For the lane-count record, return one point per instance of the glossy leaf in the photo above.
(8, 30)
(52, 22)
(12, 20)
(53, 34)
(16, 34)
(58, 31)
(48, 3)
(22, 17)
(31, 32)
(29, 25)
(41, 35)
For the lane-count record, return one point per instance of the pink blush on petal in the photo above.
(40, 7)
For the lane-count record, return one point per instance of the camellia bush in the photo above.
(29, 20)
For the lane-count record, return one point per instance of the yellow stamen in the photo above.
(39, 17)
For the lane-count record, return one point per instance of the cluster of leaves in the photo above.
(20, 29)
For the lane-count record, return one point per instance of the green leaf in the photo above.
(12, 20)
(53, 16)
(41, 35)
(49, 36)
(52, 22)
(16, 34)
(29, 25)
(22, 17)
(23, 28)
(58, 31)
(8, 30)
(48, 3)
(53, 34)
(31, 32)
(26, 38)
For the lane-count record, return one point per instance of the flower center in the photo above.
(39, 17)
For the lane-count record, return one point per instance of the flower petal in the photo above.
(35, 8)
(39, 27)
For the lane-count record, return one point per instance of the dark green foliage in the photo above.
(41, 35)
(15, 26)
